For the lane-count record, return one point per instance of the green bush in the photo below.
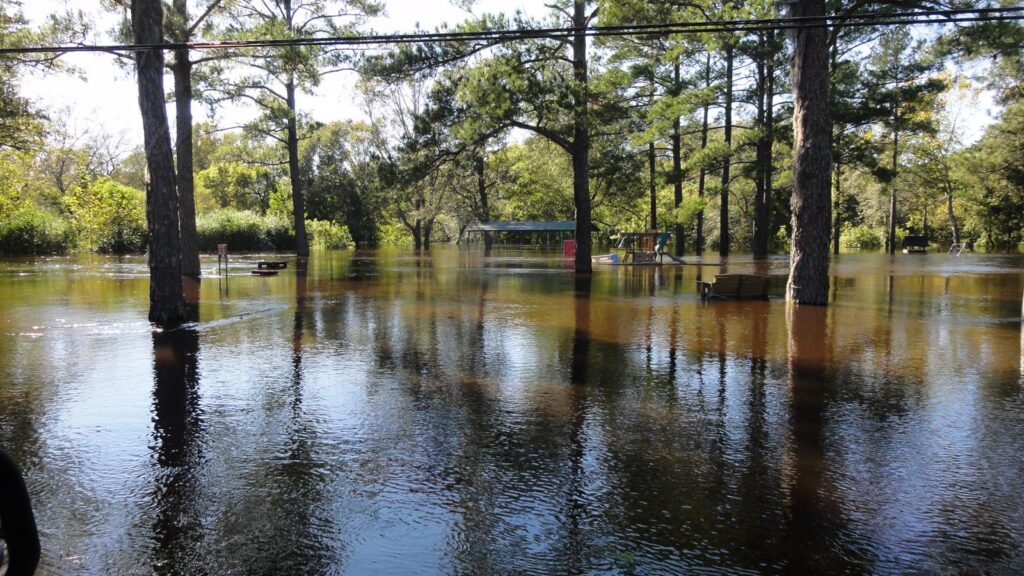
(32, 231)
(108, 217)
(862, 238)
(327, 235)
(243, 230)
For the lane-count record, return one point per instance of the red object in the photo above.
(569, 248)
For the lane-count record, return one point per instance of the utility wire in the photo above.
(1003, 14)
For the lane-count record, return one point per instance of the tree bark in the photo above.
(812, 163)
(298, 202)
(481, 189)
(837, 221)
(652, 187)
(677, 163)
(723, 214)
(581, 140)
(698, 246)
(186, 184)
(762, 153)
(166, 300)
(890, 238)
(953, 222)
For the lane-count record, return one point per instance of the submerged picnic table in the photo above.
(735, 286)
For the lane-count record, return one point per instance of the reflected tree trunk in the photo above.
(812, 518)
(177, 427)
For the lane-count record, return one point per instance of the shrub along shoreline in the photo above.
(31, 231)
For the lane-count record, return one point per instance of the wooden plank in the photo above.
(261, 272)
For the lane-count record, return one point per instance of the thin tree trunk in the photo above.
(677, 186)
(890, 239)
(166, 300)
(812, 163)
(698, 247)
(652, 187)
(763, 151)
(954, 224)
(677, 163)
(481, 189)
(186, 184)
(769, 119)
(581, 140)
(298, 203)
(723, 214)
(837, 221)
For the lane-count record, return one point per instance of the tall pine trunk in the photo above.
(677, 163)
(762, 177)
(890, 237)
(186, 183)
(298, 202)
(652, 185)
(723, 214)
(166, 300)
(698, 247)
(581, 140)
(812, 163)
(837, 221)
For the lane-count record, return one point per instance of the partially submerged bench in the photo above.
(272, 264)
(264, 272)
(735, 286)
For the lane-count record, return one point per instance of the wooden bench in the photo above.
(272, 265)
(735, 286)
(264, 272)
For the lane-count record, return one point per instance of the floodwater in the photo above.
(456, 413)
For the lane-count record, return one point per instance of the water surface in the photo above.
(463, 413)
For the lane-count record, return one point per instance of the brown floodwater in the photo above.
(463, 413)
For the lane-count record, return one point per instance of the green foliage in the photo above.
(862, 238)
(30, 230)
(326, 235)
(108, 217)
(236, 185)
(244, 230)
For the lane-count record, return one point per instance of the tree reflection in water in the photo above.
(178, 452)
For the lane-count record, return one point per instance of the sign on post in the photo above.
(222, 249)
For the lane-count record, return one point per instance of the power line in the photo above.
(961, 16)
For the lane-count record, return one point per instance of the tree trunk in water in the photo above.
(952, 216)
(837, 222)
(812, 164)
(677, 163)
(581, 140)
(481, 189)
(166, 300)
(186, 183)
(698, 247)
(723, 215)
(652, 187)
(417, 235)
(890, 238)
(298, 203)
(428, 226)
(763, 152)
(677, 184)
